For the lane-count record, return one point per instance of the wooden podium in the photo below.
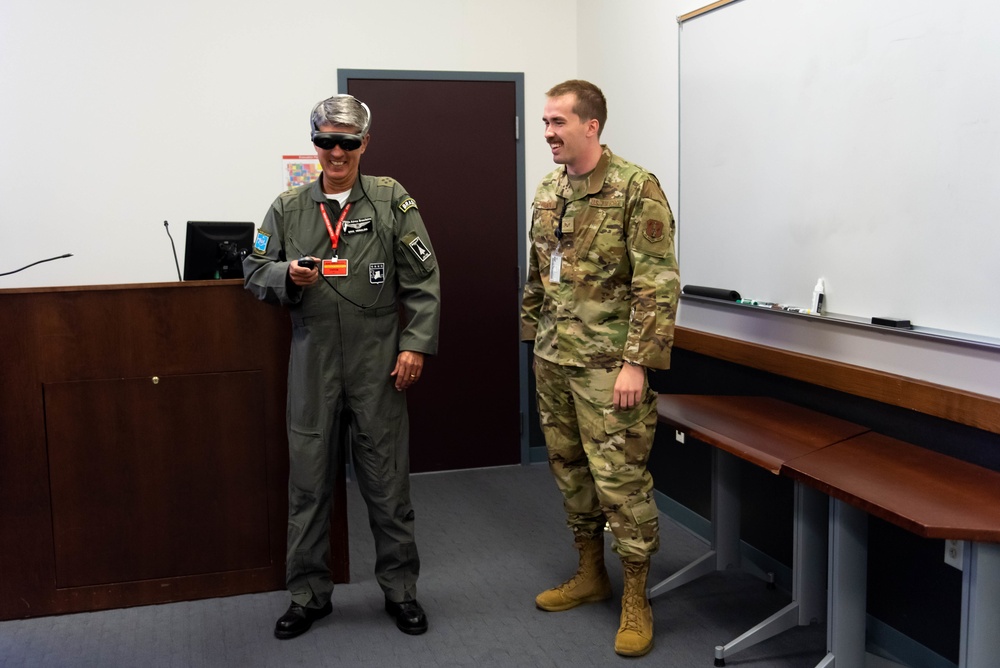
(143, 455)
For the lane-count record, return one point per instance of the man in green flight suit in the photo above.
(346, 254)
(599, 304)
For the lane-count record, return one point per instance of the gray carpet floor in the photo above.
(489, 540)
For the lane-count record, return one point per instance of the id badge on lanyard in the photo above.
(555, 266)
(335, 266)
(556, 260)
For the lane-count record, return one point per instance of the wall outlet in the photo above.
(953, 553)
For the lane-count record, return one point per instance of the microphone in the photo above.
(58, 257)
(166, 226)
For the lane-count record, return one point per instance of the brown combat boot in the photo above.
(589, 585)
(635, 635)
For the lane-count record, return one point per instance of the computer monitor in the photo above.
(216, 250)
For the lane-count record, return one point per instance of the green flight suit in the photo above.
(346, 335)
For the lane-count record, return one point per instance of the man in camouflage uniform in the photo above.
(347, 254)
(599, 304)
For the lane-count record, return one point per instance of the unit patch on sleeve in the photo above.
(419, 249)
(653, 231)
(407, 204)
(260, 242)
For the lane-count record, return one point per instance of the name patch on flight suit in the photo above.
(358, 226)
(407, 204)
(376, 273)
(419, 249)
(260, 242)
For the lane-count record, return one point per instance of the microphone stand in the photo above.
(166, 226)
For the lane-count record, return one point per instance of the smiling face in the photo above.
(573, 141)
(340, 167)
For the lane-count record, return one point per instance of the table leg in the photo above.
(808, 575)
(724, 551)
(847, 589)
(980, 640)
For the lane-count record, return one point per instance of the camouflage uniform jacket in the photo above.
(616, 297)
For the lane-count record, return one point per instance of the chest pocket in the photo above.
(545, 220)
(599, 220)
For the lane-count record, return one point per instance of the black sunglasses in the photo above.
(328, 140)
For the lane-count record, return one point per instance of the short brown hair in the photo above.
(590, 102)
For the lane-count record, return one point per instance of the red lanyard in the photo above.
(334, 233)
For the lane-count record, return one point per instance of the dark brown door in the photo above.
(453, 145)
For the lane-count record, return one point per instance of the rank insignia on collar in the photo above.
(260, 242)
(407, 204)
(653, 231)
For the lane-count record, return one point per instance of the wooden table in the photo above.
(926, 493)
(768, 433)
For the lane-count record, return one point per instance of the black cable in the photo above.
(166, 226)
(58, 257)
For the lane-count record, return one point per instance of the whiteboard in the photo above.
(853, 140)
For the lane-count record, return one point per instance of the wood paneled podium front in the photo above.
(143, 455)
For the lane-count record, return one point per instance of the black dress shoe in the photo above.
(410, 617)
(298, 620)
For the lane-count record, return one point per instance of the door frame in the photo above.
(517, 78)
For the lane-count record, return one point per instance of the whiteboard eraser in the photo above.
(892, 322)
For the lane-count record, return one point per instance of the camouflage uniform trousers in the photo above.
(598, 455)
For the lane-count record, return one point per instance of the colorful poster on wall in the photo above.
(299, 170)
